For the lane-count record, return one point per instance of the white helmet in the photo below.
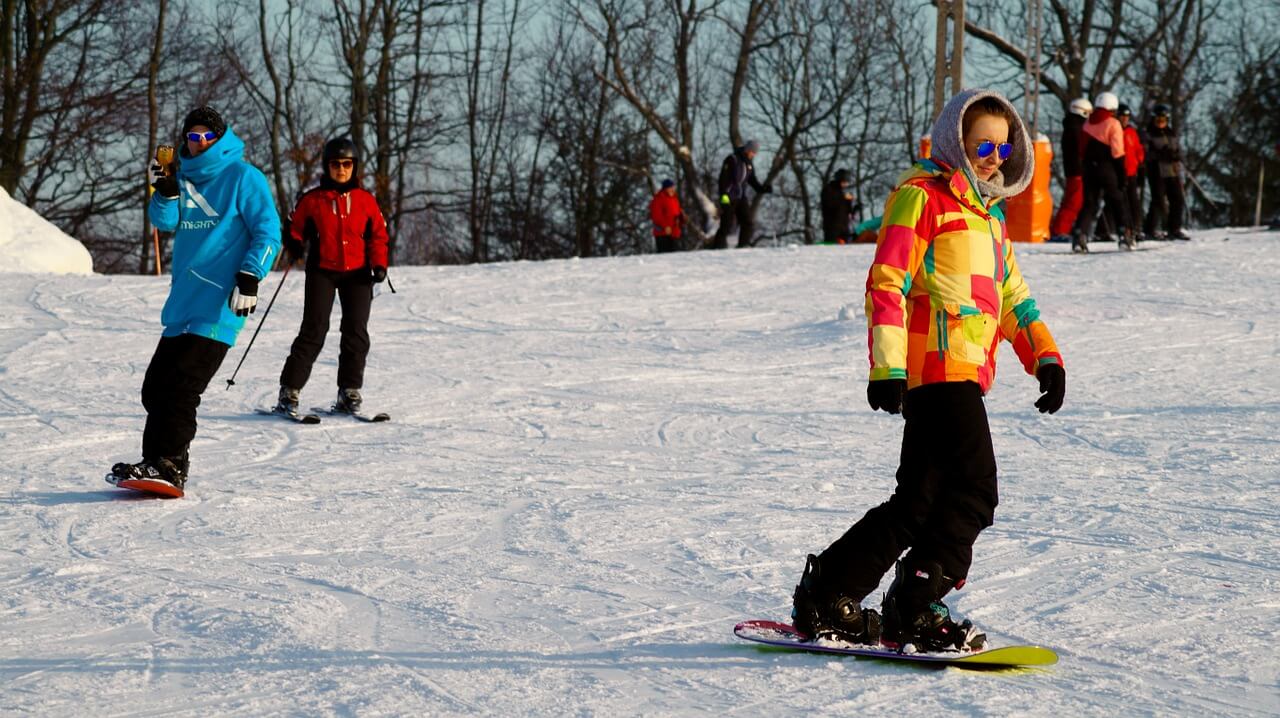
(1081, 106)
(1107, 101)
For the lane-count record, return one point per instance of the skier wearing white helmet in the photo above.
(1103, 155)
(1072, 169)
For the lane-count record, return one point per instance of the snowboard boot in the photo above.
(173, 470)
(915, 616)
(1179, 234)
(819, 612)
(287, 402)
(1128, 242)
(1079, 245)
(348, 401)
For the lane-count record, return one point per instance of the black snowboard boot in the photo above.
(172, 470)
(287, 401)
(348, 401)
(915, 614)
(819, 612)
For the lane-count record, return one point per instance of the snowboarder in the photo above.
(668, 218)
(340, 231)
(1165, 178)
(1103, 154)
(937, 306)
(1134, 158)
(838, 209)
(1072, 169)
(736, 173)
(226, 237)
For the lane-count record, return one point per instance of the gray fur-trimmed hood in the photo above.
(947, 141)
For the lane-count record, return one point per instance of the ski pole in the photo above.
(232, 381)
(390, 285)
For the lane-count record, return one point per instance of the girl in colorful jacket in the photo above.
(341, 231)
(943, 290)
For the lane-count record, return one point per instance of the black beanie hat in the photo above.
(206, 116)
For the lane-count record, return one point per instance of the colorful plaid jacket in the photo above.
(945, 288)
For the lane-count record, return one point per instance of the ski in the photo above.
(781, 635)
(151, 487)
(359, 416)
(292, 416)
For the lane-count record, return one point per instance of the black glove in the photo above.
(379, 274)
(886, 394)
(293, 250)
(244, 298)
(1053, 387)
(166, 186)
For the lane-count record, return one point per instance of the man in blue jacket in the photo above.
(736, 173)
(226, 237)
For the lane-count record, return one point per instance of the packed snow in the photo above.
(596, 467)
(31, 243)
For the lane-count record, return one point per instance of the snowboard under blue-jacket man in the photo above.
(226, 237)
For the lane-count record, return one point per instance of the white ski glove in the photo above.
(244, 298)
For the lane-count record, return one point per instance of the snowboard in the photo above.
(359, 416)
(151, 487)
(295, 416)
(782, 635)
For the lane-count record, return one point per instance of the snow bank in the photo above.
(30, 243)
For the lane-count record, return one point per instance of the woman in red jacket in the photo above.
(342, 233)
(667, 217)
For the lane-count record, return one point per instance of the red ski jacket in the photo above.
(348, 228)
(665, 212)
(1134, 154)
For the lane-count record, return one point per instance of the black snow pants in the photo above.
(1167, 205)
(946, 493)
(1101, 183)
(737, 213)
(355, 294)
(179, 372)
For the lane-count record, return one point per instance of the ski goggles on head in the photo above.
(209, 136)
(1004, 149)
(342, 164)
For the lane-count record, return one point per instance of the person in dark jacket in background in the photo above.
(838, 209)
(736, 173)
(667, 218)
(1072, 169)
(341, 232)
(1164, 174)
(1134, 156)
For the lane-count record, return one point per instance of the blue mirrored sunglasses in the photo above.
(987, 147)
(209, 136)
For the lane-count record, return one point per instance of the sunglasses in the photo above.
(342, 164)
(202, 136)
(987, 147)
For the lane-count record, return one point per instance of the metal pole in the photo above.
(1257, 208)
(948, 63)
(232, 381)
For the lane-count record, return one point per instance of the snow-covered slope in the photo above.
(29, 243)
(596, 467)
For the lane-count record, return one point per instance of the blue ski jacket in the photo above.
(224, 221)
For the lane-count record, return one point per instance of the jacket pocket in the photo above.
(966, 333)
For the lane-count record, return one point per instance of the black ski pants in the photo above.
(1101, 183)
(665, 244)
(355, 294)
(1133, 203)
(737, 213)
(179, 372)
(1167, 205)
(946, 493)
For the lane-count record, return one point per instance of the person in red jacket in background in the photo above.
(1103, 154)
(341, 232)
(667, 218)
(1134, 160)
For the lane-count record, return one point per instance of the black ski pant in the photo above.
(1133, 203)
(179, 372)
(1101, 183)
(1167, 205)
(355, 294)
(664, 244)
(946, 494)
(737, 213)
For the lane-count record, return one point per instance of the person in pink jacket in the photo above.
(1104, 174)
